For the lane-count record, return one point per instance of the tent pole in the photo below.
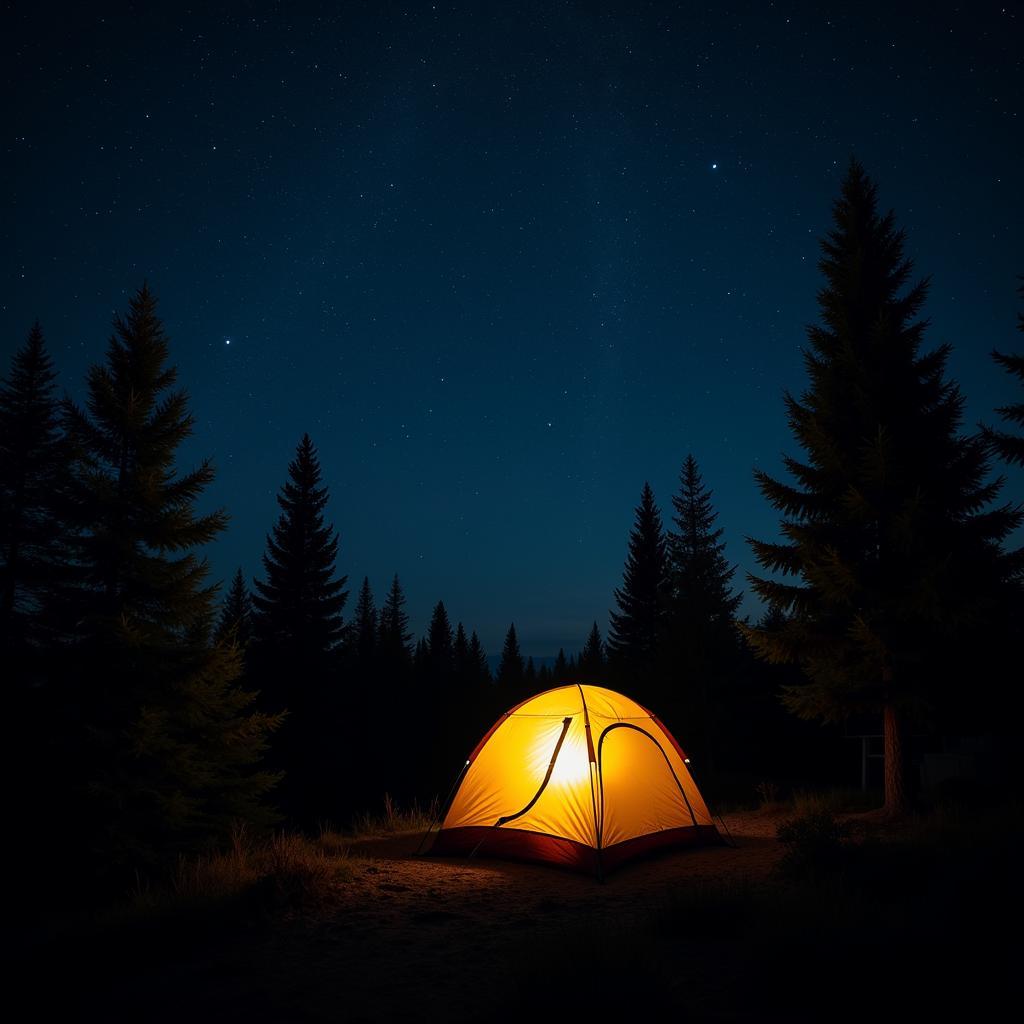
(714, 814)
(442, 809)
(592, 757)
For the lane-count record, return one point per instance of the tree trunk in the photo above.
(897, 794)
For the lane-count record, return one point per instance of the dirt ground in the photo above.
(420, 938)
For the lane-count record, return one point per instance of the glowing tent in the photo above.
(579, 776)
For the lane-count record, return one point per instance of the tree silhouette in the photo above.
(511, 670)
(461, 667)
(235, 623)
(883, 525)
(530, 676)
(592, 665)
(560, 670)
(637, 628)
(364, 627)
(1006, 445)
(702, 637)
(33, 472)
(169, 743)
(478, 661)
(394, 639)
(440, 653)
(297, 628)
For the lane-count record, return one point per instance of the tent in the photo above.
(578, 776)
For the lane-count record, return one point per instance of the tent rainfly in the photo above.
(578, 776)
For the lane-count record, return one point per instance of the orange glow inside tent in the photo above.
(579, 776)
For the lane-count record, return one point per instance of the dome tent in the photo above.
(579, 776)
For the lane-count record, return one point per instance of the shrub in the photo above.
(816, 843)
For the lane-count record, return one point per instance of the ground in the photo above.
(419, 938)
(848, 922)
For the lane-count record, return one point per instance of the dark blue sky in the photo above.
(503, 262)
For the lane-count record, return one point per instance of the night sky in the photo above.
(502, 262)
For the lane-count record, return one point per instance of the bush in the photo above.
(816, 843)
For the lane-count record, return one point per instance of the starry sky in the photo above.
(503, 262)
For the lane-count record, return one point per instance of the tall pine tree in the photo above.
(478, 661)
(511, 670)
(33, 475)
(394, 641)
(702, 639)
(637, 628)
(592, 660)
(170, 744)
(886, 526)
(297, 629)
(440, 655)
(1006, 445)
(365, 628)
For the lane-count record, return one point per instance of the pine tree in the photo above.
(702, 639)
(421, 658)
(592, 661)
(299, 604)
(297, 630)
(638, 627)
(33, 473)
(544, 678)
(478, 661)
(1006, 445)
(883, 526)
(170, 742)
(440, 649)
(461, 668)
(364, 627)
(395, 640)
(530, 676)
(510, 668)
(560, 670)
(235, 623)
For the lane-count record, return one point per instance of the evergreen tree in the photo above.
(591, 661)
(364, 627)
(530, 676)
(544, 679)
(702, 639)
(478, 661)
(1010, 446)
(395, 639)
(235, 623)
(33, 473)
(421, 658)
(560, 671)
(510, 668)
(299, 604)
(297, 629)
(461, 667)
(883, 525)
(637, 628)
(170, 743)
(440, 648)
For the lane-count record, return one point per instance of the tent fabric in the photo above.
(580, 776)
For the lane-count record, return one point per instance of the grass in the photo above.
(283, 871)
(394, 819)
